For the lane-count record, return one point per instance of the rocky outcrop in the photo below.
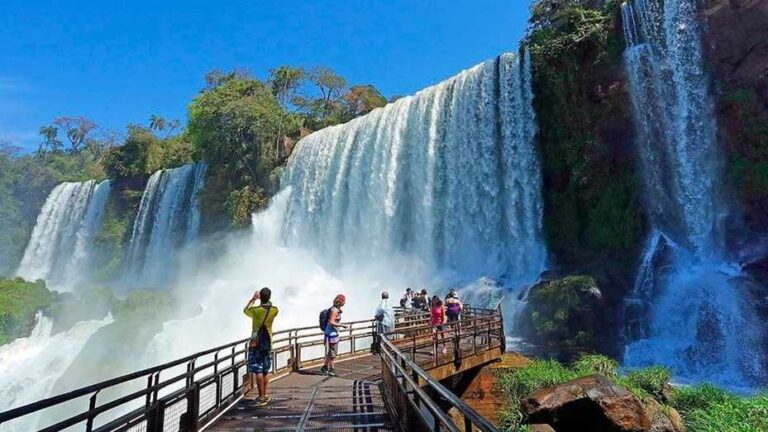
(595, 403)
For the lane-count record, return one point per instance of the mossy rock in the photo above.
(562, 313)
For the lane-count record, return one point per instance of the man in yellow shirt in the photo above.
(260, 351)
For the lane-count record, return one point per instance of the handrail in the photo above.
(228, 362)
(403, 377)
(393, 354)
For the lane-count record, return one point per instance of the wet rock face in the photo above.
(737, 41)
(595, 403)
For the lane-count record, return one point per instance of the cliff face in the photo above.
(593, 217)
(736, 38)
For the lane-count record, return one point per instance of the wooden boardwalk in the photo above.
(311, 401)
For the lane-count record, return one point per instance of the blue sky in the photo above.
(118, 62)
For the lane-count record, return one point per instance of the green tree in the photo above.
(234, 124)
(360, 100)
(285, 82)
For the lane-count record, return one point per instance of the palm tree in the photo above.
(157, 123)
(50, 136)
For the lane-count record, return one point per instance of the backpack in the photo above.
(325, 314)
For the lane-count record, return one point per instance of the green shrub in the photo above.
(19, 302)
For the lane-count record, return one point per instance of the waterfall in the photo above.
(29, 367)
(60, 248)
(168, 219)
(448, 177)
(432, 190)
(695, 319)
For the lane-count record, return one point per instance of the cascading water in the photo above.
(439, 188)
(168, 218)
(449, 178)
(59, 250)
(695, 320)
(29, 367)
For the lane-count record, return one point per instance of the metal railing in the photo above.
(186, 394)
(409, 388)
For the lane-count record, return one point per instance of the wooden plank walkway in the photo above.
(310, 401)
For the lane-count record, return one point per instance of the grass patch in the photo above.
(707, 408)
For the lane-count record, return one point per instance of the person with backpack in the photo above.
(330, 322)
(260, 345)
(453, 306)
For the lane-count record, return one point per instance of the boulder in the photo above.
(595, 403)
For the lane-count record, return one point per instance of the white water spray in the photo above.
(29, 367)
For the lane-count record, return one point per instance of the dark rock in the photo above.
(595, 403)
(757, 269)
(737, 41)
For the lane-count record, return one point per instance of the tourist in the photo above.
(437, 319)
(260, 346)
(453, 306)
(385, 314)
(407, 299)
(423, 304)
(332, 334)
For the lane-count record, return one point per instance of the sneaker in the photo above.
(324, 370)
(261, 402)
(332, 372)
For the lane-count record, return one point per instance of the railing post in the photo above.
(91, 416)
(148, 401)
(467, 424)
(156, 417)
(190, 420)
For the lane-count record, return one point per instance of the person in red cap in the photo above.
(332, 333)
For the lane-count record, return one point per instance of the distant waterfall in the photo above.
(448, 178)
(685, 311)
(60, 246)
(168, 218)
